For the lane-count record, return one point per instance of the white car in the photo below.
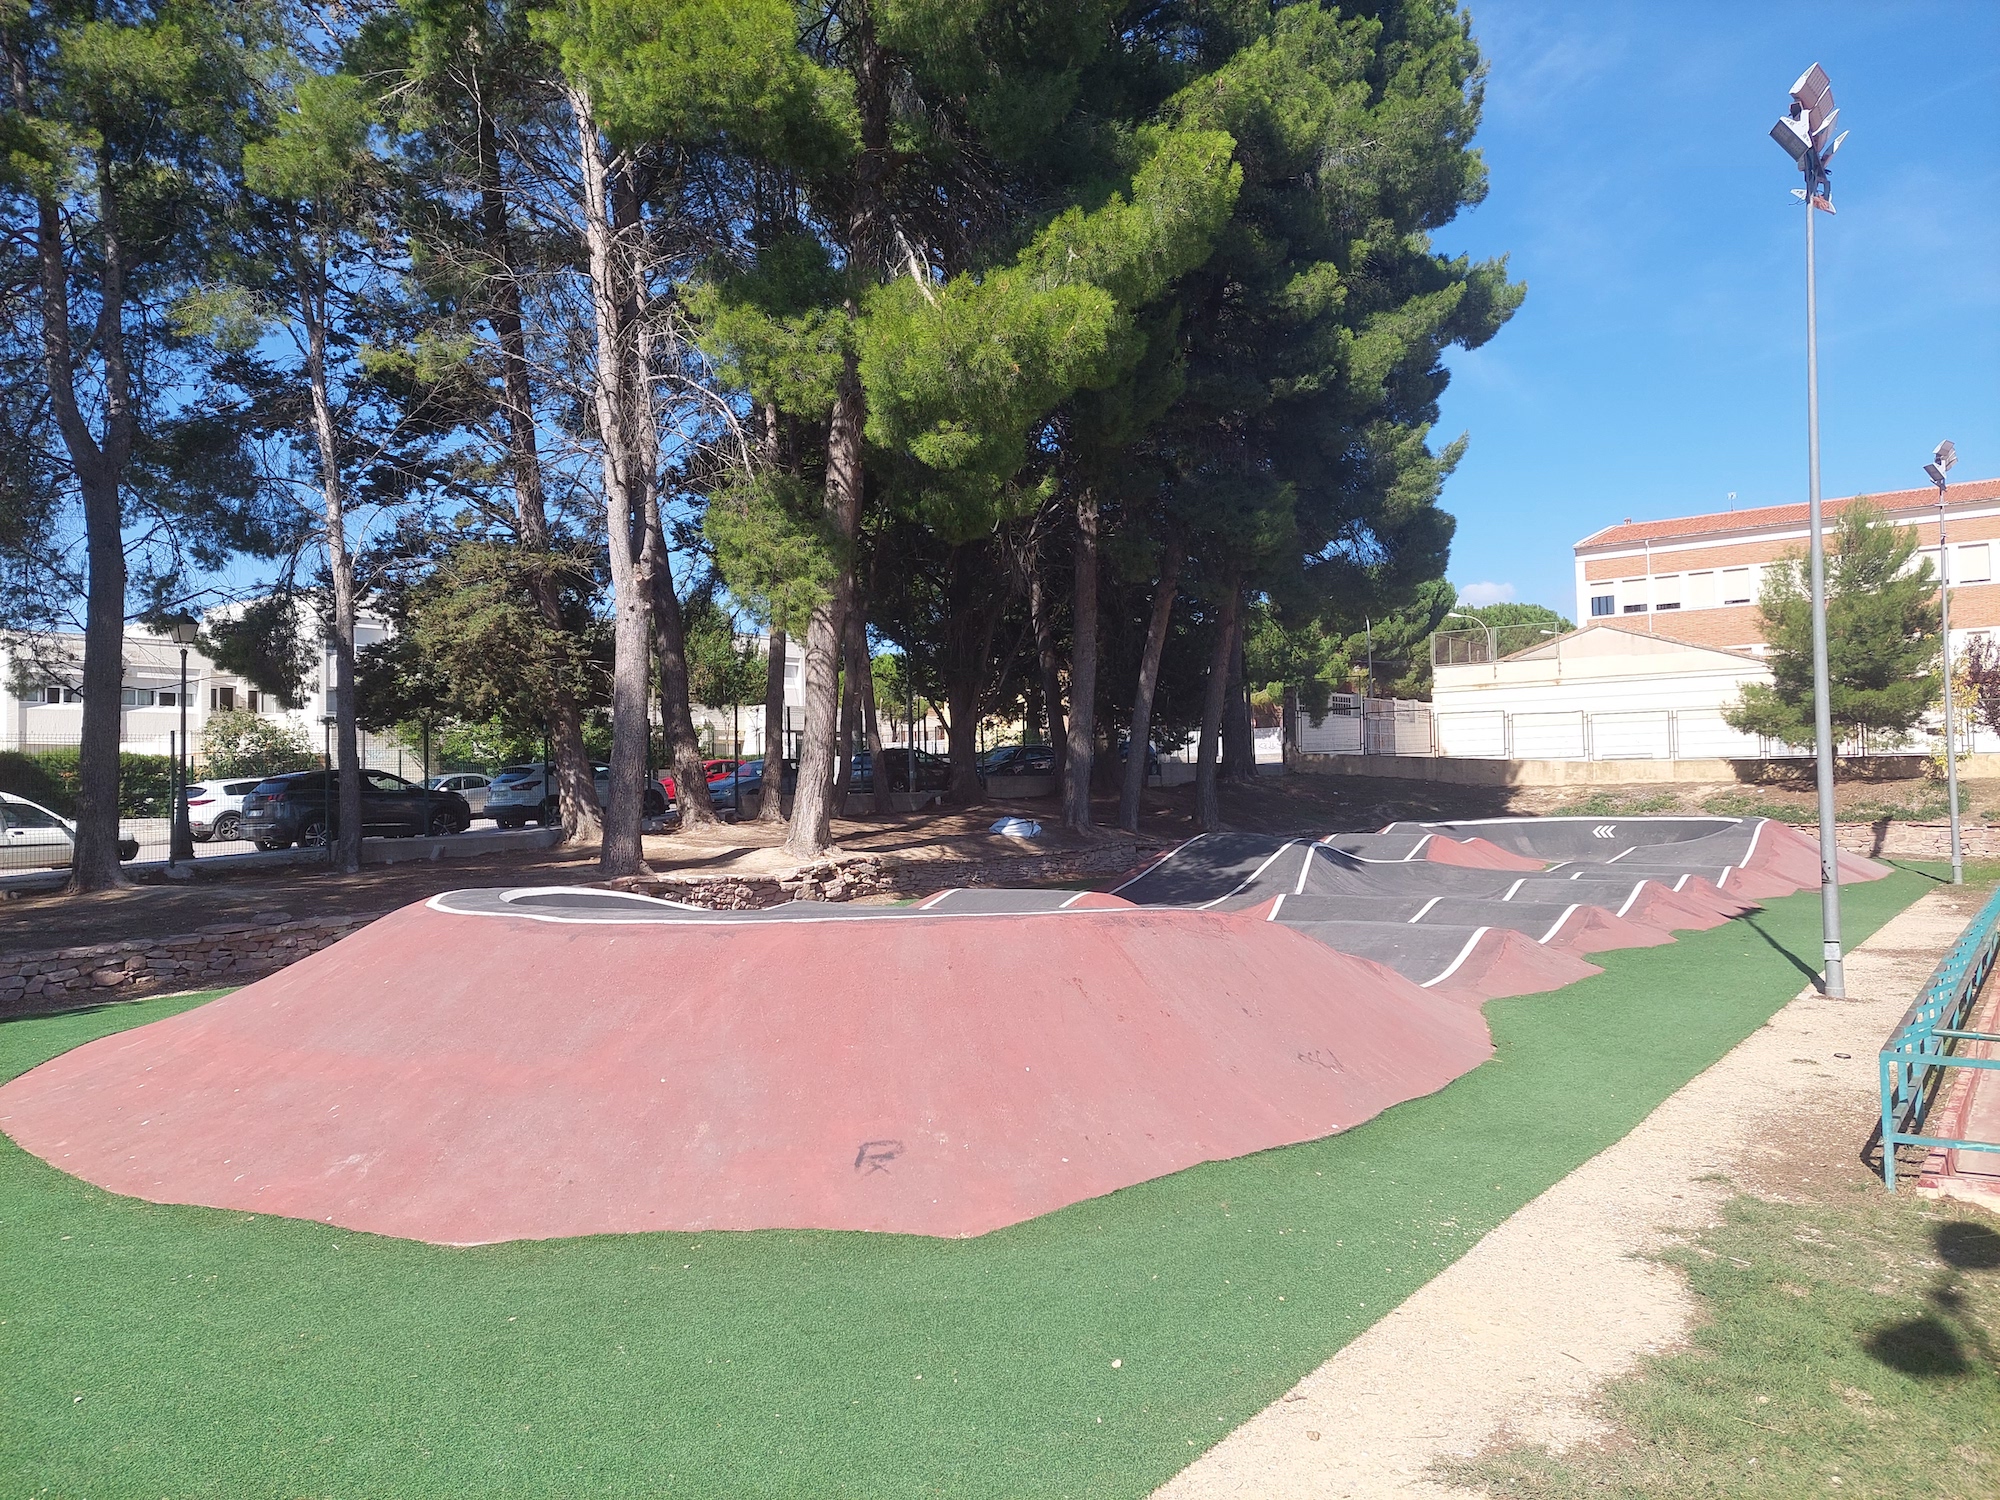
(468, 784)
(32, 837)
(215, 808)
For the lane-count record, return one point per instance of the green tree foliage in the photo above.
(263, 642)
(239, 743)
(723, 671)
(1881, 636)
(1520, 617)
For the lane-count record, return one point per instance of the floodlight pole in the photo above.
(1950, 753)
(1829, 850)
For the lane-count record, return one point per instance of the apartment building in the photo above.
(41, 704)
(1696, 578)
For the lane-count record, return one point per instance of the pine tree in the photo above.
(1881, 636)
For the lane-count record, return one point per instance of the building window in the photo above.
(135, 697)
(1700, 593)
(1667, 591)
(164, 700)
(1603, 604)
(221, 699)
(1736, 586)
(1634, 609)
(53, 692)
(1974, 564)
(255, 701)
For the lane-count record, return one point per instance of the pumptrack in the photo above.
(534, 1063)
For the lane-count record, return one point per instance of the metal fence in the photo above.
(1356, 725)
(1932, 1039)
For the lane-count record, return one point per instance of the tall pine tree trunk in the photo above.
(866, 236)
(1149, 682)
(861, 691)
(770, 801)
(1207, 802)
(346, 830)
(575, 780)
(1048, 668)
(1239, 736)
(1082, 671)
(812, 803)
(622, 402)
(100, 472)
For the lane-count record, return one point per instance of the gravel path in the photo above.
(1515, 1337)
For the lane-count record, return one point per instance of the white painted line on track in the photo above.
(1305, 869)
(1419, 849)
(1518, 884)
(1620, 855)
(1276, 906)
(1682, 881)
(1074, 899)
(1631, 898)
(1427, 906)
(1568, 911)
(1463, 954)
(1250, 879)
(926, 906)
(1156, 864)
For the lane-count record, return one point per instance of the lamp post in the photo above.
(180, 839)
(1806, 133)
(1939, 466)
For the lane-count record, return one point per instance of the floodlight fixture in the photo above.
(1806, 133)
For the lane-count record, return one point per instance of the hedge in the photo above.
(145, 782)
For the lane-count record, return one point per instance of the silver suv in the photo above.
(215, 808)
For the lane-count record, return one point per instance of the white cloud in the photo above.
(1476, 594)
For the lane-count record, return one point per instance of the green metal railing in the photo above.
(1917, 1059)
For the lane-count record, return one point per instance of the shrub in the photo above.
(50, 777)
(240, 743)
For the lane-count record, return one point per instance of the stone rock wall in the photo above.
(228, 953)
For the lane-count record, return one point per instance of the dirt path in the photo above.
(1515, 1337)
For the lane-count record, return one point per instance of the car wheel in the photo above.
(228, 828)
(313, 835)
(442, 822)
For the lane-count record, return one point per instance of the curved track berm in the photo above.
(497, 1065)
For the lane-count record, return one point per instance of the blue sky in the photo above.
(1659, 361)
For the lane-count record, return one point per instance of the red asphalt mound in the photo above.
(1661, 906)
(1592, 929)
(1503, 963)
(464, 1079)
(1476, 854)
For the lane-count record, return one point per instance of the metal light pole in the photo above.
(180, 839)
(1806, 133)
(1939, 466)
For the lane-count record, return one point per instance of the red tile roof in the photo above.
(1781, 517)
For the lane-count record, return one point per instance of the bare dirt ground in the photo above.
(1509, 1344)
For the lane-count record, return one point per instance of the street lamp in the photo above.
(1939, 466)
(1806, 133)
(182, 631)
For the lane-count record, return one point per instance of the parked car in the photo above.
(526, 794)
(933, 771)
(468, 784)
(215, 808)
(1018, 760)
(33, 838)
(714, 770)
(304, 808)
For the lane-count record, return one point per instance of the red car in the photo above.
(715, 770)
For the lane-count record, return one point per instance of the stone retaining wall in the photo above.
(1977, 838)
(228, 953)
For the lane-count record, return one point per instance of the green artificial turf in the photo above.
(162, 1351)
